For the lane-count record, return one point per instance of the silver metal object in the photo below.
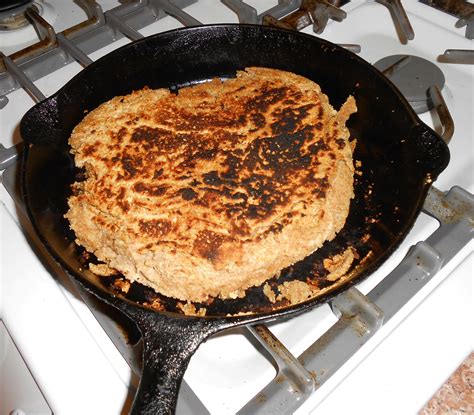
(283, 8)
(70, 48)
(354, 48)
(400, 19)
(322, 12)
(15, 18)
(245, 12)
(21, 78)
(461, 56)
(170, 8)
(442, 111)
(314, 13)
(47, 34)
(394, 67)
(462, 9)
(248, 14)
(118, 24)
(293, 384)
(94, 12)
(269, 20)
(413, 76)
(467, 21)
(8, 156)
(3, 101)
(45, 31)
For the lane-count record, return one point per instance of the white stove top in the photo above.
(79, 370)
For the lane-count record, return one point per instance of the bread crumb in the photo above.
(157, 305)
(189, 309)
(270, 294)
(102, 269)
(123, 285)
(295, 291)
(339, 264)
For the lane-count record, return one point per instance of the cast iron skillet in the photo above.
(400, 157)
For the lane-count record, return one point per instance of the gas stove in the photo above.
(384, 346)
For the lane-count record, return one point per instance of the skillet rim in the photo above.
(108, 296)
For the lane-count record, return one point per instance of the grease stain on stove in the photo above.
(261, 398)
(314, 375)
(280, 379)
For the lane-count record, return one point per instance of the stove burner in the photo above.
(12, 16)
(458, 8)
(413, 76)
(462, 9)
(311, 12)
(11, 4)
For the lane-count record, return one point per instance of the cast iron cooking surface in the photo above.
(399, 156)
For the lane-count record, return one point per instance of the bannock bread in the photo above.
(214, 189)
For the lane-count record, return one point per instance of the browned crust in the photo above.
(214, 190)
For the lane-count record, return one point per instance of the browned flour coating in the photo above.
(216, 189)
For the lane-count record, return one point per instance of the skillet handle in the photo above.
(430, 152)
(168, 344)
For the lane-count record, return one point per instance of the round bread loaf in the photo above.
(214, 189)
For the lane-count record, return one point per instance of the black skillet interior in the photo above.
(399, 154)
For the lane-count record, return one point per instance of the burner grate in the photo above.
(462, 9)
(54, 51)
(12, 17)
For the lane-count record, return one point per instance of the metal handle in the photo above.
(168, 344)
